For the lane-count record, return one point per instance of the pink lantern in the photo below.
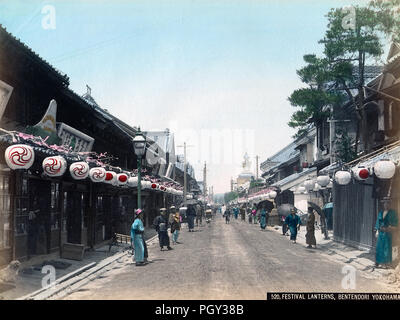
(19, 156)
(79, 170)
(122, 179)
(97, 174)
(54, 166)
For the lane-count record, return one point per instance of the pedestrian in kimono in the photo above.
(227, 215)
(310, 235)
(254, 214)
(191, 215)
(236, 212)
(199, 215)
(293, 222)
(137, 231)
(243, 214)
(175, 228)
(161, 225)
(263, 218)
(386, 224)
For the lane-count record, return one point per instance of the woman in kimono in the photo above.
(263, 218)
(137, 231)
(310, 235)
(175, 228)
(386, 223)
(293, 222)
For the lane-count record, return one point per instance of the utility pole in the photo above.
(184, 173)
(256, 168)
(205, 180)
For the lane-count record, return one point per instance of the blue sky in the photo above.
(191, 66)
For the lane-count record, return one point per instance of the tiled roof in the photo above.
(287, 153)
(30, 52)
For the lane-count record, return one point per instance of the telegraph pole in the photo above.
(184, 173)
(256, 168)
(205, 180)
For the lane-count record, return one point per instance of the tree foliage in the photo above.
(340, 74)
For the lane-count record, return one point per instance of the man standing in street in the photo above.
(199, 215)
(310, 235)
(191, 214)
(293, 222)
(386, 224)
(161, 225)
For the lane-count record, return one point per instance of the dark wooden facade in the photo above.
(70, 210)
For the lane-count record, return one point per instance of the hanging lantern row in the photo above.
(383, 169)
(21, 156)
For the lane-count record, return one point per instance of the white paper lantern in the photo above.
(132, 182)
(360, 173)
(111, 177)
(272, 194)
(97, 174)
(122, 179)
(343, 177)
(384, 169)
(54, 166)
(309, 185)
(19, 156)
(323, 181)
(79, 170)
(145, 184)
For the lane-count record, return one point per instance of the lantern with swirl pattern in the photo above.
(79, 170)
(54, 166)
(97, 174)
(19, 156)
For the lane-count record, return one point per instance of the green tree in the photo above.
(344, 150)
(348, 49)
(316, 97)
(229, 196)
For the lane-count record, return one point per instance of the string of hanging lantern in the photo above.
(20, 155)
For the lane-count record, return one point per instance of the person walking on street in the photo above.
(137, 231)
(199, 215)
(191, 214)
(161, 225)
(310, 235)
(293, 222)
(227, 216)
(263, 218)
(175, 228)
(386, 224)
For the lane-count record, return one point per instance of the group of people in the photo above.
(260, 216)
(161, 223)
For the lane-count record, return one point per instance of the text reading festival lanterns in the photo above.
(54, 166)
(19, 156)
(384, 169)
(79, 170)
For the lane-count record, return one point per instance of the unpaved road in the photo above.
(224, 261)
